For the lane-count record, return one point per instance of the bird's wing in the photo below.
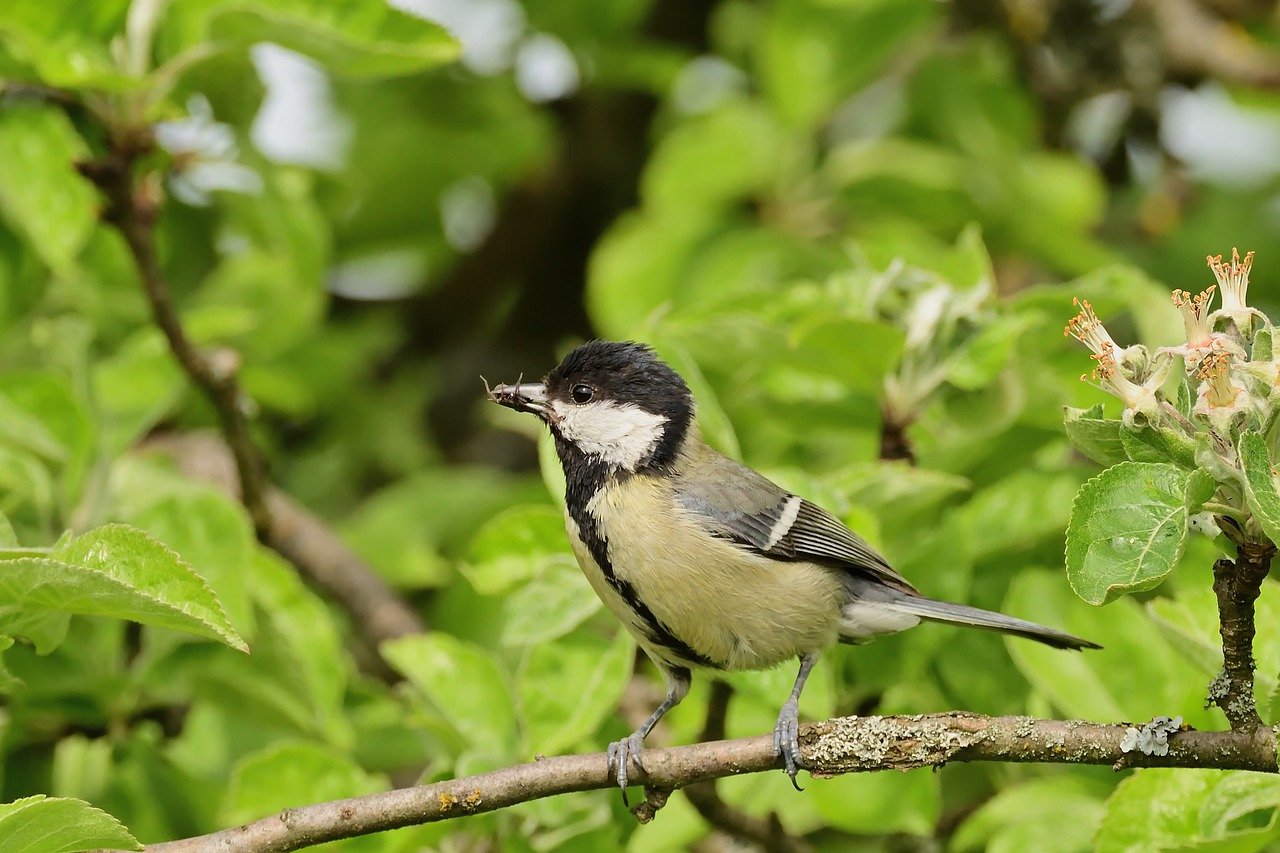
(737, 503)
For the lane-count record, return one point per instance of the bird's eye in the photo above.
(582, 393)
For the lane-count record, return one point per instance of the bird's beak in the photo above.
(530, 397)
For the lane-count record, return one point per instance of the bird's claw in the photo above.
(620, 754)
(786, 741)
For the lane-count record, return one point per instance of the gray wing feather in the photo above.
(739, 504)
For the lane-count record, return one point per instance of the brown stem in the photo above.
(132, 209)
(841, 745)
(1237, 584)
(894, 444)
(279, 522)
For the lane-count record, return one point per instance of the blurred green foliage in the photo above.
(847, 224)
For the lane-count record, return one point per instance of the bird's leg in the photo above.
(786, 734)
(625, 751)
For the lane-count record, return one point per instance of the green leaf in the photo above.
(1058, 814)
(27, 489)
(514, 546)
(549, 606)
(42, 196)
(134, 388)
(1161, 809)
(43, 824)
(810, 56)
(8, 539)
(311, 643)
(1189, 621)
(1158, 444)
(1186, 398)
(1260, 483)
(762, 687)
(1020, 510)
(714, 159)
(549, 467)
(26, 431)
(1263, 346)
(977, 362)
(637, 267)
(82, 767)
(213, 534)
(1096, 437)
(288, 775)
(9, 682)
(1099, 684)
(881, 803)
(1127, 530)
(556, 719)
(715, 424)
(118, 571)
(349, 37)
(403, 529)
(44, 630)
(274, 307)
(896, 488)
(859, 353)
(63, 44)
(464, 682)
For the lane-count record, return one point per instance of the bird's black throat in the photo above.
(585, 476)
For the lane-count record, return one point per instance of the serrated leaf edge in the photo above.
(182, 563)
(228, 637)
(36, 799)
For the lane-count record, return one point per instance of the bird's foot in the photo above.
(786, 740)
(621, 754)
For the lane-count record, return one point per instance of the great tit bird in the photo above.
(705, 561)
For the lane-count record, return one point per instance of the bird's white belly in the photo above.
(738, 609)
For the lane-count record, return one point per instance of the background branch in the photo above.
(235, 464)
(132, 210)
(303, 538)
(840, 745)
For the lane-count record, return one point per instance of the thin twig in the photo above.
(841, 745)
(23, 90)
(1237, 584)
(132, 210)
(281, 524)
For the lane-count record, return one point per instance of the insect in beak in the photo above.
(528, 397)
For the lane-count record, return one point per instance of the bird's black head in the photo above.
(615, 402)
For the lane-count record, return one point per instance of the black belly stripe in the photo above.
(583, 478)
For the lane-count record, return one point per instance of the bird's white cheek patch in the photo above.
(618, 433)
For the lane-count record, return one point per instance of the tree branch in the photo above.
(280, 523)
(1238, 583)
(132, 209)
(841, 745)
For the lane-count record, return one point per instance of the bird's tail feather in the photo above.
(962, 614)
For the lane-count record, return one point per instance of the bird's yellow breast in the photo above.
(738, 609)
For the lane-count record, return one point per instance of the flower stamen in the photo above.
(1088, 329)
(1195, 313)
(1232, 277)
